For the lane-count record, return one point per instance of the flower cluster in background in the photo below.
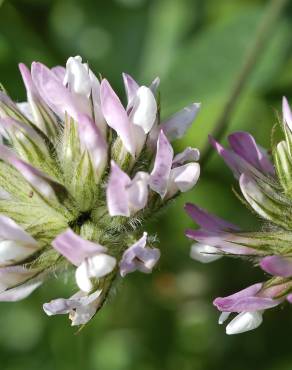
(79, 176)
(266, 189)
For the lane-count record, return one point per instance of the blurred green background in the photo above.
(165, 320)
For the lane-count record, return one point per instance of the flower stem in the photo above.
(262, 37)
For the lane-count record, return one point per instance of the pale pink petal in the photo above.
(57, 96)
(137, 191)
(116, 115)
(92, 140)
(188, 155)
(80, 307)
(139, 257)
(20, 292)
(176, 126)
(75, 248)
(287, 114)
(131, 88)
(277, 265)
(159, 176)
(39, 180)
(14, 275)
(116, 192)
(59, 72)
(183, 178)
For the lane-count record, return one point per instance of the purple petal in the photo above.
(287, 114)
(162, 166)
(236, 163)
(116, 115)
(116, 192)
(245, 300)
(92, 139)
(277, 265)
(176, 126)
(208, 221)
(75, 248)
(245, 304)
(245, 146)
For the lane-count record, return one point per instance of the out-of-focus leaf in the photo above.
(209, 63)
(168, 22)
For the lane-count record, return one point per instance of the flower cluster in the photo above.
(80, 173)
(266, 188)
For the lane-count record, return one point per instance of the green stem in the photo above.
(261, 40)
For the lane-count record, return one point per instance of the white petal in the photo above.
(183, 178)
(223, 317)
(20, 292)
(93, 267)
(101, 265)
(25, 108)
(10, 230)
(12, 251)
(138, 192)
(14, 275)
(186, 176)
(144, 109)
(244, 321)
(204, 253)
(188, 155)
(77, 76)
(82, 277)
(82, 314)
